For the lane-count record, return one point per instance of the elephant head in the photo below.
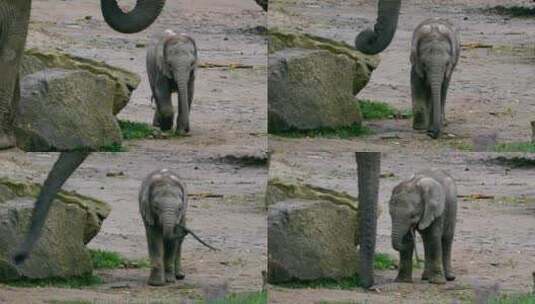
(434, 55)
(376, 40)
(163, 201)
(414, 204)
(141, 17)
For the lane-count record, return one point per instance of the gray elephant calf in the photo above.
(434, 55)
(162, 203)
(427, 202)
(171, 64)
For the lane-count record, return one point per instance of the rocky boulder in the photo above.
(64, 110)
(312, 82)
(124, 82)
(60, 252)
(311, 240)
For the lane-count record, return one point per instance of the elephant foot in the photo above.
(425, 276)
(7, 141)
(156, 278)
(170, 277)
(433, 133)
(182, 132)
(437, 279)
(180, 275)
(403, 279)
(450, 276)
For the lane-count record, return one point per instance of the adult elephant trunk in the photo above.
(141, 17)
(377, 40)
(66, 164)
(368, 167)
(436, 77)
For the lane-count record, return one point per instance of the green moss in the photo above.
(242, 298)
(342, 132)
(116, 147)
(513, 11)
(516, 147)
(383, 261)
(514, 299)
(74, 282)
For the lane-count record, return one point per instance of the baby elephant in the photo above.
(171, 63)
(434, 55)
(427, 202)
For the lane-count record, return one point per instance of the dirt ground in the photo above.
(233, 220)
(491, 90)
(229, 126)
(494, 249)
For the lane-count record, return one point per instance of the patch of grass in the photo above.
(514, 162)
(513, 11)
(383, 261)
(376, 110)
(103, 259)
(461, 145)
(516, 147)
(514, 299)
(347, 283)
(74, 282)
(342, 132)
(135, 130)
(243, 298)
(113, 148)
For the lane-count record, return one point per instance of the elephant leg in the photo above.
(191, 88)
(433, 254)
(14, 20)
(178, 259)
(427, 259)
(170, 247)
(155, 243)
(447, 241)
(164, 106)
(420, 102)
(445, 86)
(405, 263)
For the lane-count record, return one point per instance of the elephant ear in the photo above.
(145, 195)
(161, 60)
(433, 198)
(454, 39)
(415, 46)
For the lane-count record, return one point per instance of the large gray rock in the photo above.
(310, 240)
(60, 252)
(124, 82)
(65, 110)
(313, 81)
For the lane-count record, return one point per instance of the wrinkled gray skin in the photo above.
(368, 170)
(373, 41)
(14, 20)
(427, 203)
(434, 55)
(162, 203)
(171, 65)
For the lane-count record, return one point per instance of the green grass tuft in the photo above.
(513, 11)
(514, 299)
(342, 132)
(243, 298)
(516, 147)
(113, 148)
(103, 259)
(376, 110)
(135, 130)
(383, 261)
(347, 283)
(74, 282)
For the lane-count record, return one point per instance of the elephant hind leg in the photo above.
(446, 258)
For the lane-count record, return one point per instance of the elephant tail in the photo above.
(198, 238)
